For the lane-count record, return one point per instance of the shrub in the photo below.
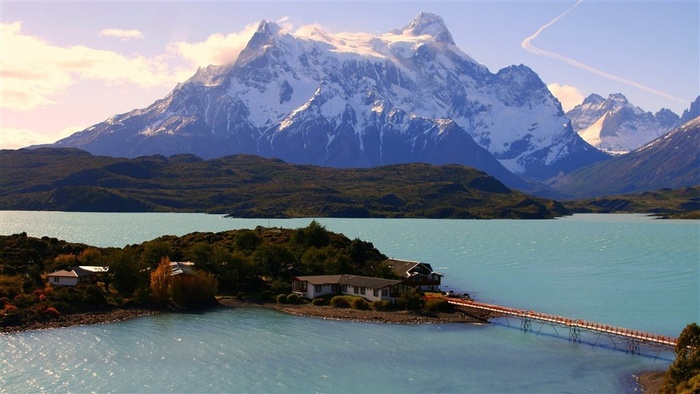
(294, 299)
(411, 300)
(282, 299)
(360, 303)
(53, 312)
(193, 290)
(437, 305)
(318, 301)
(380, 305)
(339, 302)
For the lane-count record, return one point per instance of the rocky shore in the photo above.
(370, 316)
(83, 318)
(651, 381)
(321, 312)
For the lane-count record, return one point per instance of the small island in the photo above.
(46, 282)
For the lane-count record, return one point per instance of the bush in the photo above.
(318, 301)
(360, 303)
(339, 302)
(282, 299)
(381, 305)
(294, 299)
(437, 305)
(53, 312)
(411, 300)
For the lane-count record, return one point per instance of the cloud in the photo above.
(122, 34)
(217, 49)
(16, 138)
(34, 72)
(20, 138)
(527, 45)
(569, 96)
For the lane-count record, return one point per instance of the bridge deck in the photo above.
(640, 336)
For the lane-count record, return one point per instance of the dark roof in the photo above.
(408, 268)
(366, 281)
(352, 280)
(320, 279)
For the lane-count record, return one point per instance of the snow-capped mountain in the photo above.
(616, 126)
(356, 100)
(670, 161)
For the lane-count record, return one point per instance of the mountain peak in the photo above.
(593, 99)
(426, 23)
(618, 98)
(268, 28)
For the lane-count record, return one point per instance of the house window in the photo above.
(355, 289)
(362, 290)
(385, 292)
(345, 288)
(55, 279)
(318, 288)
(376, 293)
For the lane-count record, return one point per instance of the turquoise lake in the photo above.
(631, 271)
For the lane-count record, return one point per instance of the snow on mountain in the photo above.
(356, 100)
(669, 161)
(616, 126)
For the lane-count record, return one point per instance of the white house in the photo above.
(74, 275)
(371, 289)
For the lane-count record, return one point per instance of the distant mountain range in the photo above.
(616, 126)
(356, 100)
(410, 95)
(670, 161)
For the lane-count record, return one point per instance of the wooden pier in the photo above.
(632, 340)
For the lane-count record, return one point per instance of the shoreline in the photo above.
(357, 315)
(82, 319)
(648, 382)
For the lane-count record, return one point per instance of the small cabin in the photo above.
(74, 275)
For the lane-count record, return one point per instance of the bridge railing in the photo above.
(565, 321)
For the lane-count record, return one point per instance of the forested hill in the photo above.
(251, 186)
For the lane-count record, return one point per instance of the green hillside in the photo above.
(250, 186)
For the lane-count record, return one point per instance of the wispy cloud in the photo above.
(122, 34)
(527, 45)
(35, 72)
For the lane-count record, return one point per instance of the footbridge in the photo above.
(620, 338)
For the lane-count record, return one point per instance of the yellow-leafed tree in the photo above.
(160, 281)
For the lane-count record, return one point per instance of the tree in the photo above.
(275, 261)
(89, 256)
(155, 251)
(127, 273)
(686, 367)
(160, 281)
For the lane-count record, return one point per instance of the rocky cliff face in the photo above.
(356, 100)
(616, 126)
(670, 161)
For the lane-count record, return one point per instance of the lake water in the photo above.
(625, 270)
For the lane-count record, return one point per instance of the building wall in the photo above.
(62, 281)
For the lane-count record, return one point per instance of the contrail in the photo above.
(527, 45)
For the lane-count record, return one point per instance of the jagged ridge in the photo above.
(356, 100)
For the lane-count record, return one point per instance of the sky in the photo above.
(65, 66)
